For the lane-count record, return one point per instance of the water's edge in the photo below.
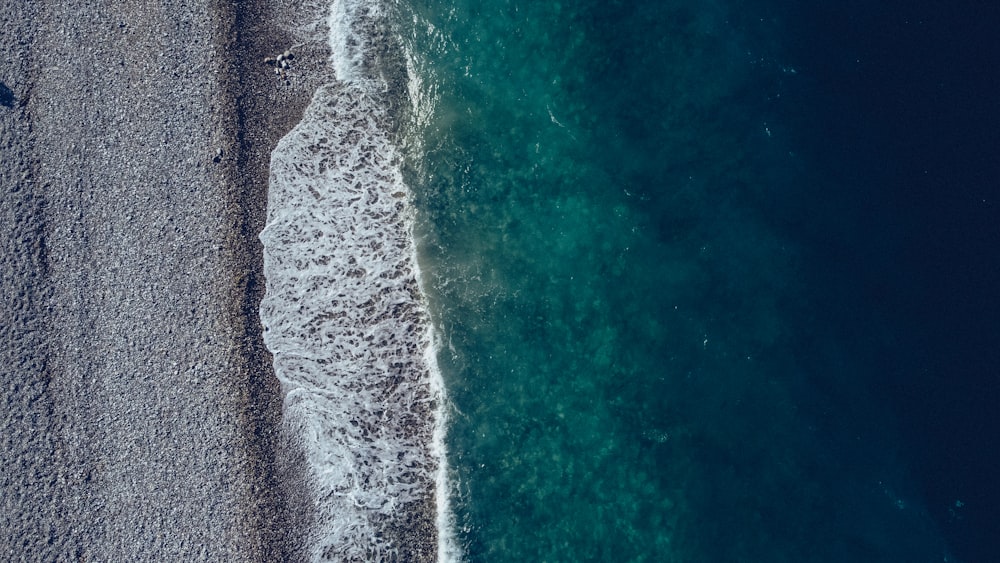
(345, 318)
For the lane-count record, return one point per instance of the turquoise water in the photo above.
(635, 348)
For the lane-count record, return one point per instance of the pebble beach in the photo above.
(141, 416)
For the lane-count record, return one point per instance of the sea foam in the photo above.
(344, 315)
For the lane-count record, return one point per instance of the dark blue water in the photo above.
(716, 280)
(914, 126)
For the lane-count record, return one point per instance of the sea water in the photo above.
(648, 353)
(643, 265)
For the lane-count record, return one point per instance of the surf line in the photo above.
(345, 318)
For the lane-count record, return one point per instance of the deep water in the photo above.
(714, 280)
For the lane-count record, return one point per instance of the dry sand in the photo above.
(140, 415)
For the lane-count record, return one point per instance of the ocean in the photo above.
(684, 281)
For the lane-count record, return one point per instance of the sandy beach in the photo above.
(141, 416)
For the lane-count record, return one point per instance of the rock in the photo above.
(281, 58)
(6, 96)
(269, 60)
(218, 155)
(288, 55)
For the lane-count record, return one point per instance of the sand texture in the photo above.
(140, 417)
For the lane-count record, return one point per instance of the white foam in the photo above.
(354, 28)
(344, 314)
(422, 100)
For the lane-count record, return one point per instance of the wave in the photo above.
(345, 318)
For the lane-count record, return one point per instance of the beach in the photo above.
(141, 415)
(456, 280)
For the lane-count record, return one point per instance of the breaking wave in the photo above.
(345, 319)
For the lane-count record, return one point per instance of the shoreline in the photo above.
(145, 419)
(322, 320)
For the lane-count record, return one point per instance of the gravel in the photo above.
(140, 419)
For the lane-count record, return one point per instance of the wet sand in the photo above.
(140, 417)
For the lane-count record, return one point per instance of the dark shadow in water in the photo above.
(6, 96)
